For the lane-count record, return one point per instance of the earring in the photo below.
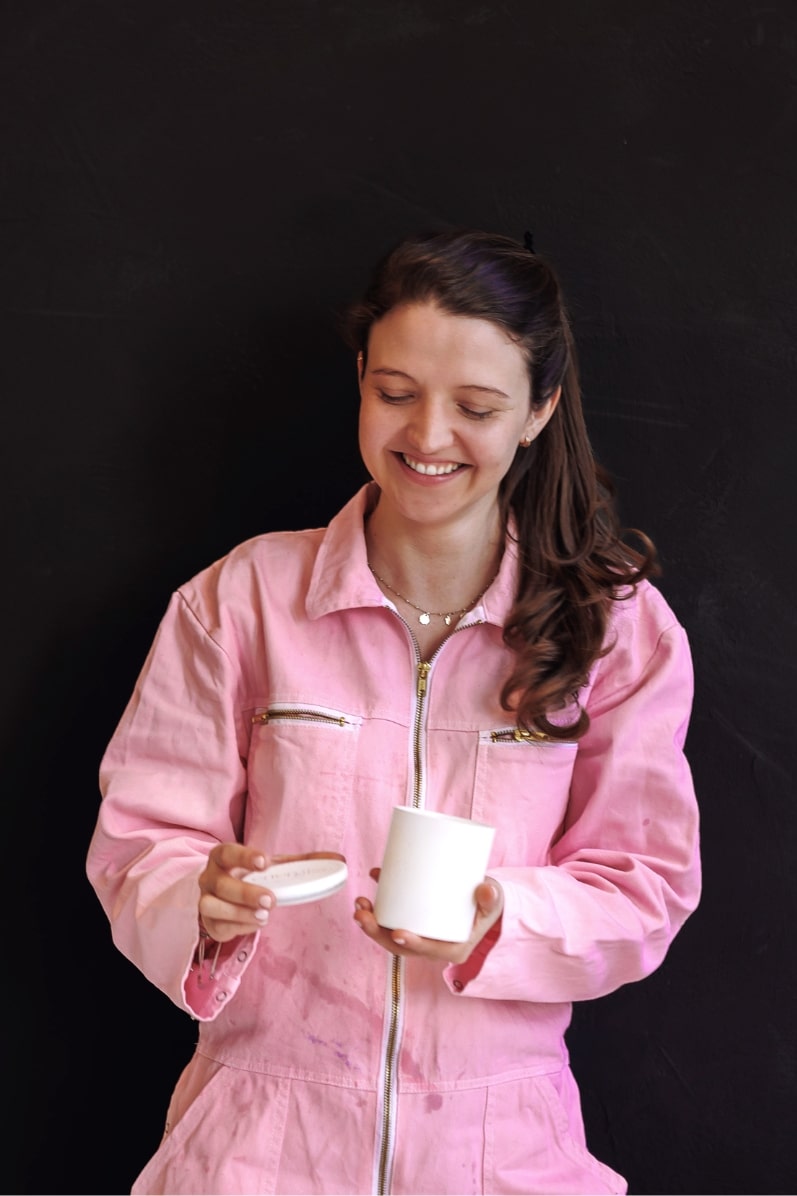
(525, 442)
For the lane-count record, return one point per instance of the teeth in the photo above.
(430, 470)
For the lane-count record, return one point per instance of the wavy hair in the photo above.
(556, 500)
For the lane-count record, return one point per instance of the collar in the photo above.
(341, 578)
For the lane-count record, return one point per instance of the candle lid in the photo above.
(296, 879)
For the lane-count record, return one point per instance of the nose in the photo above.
(428, 428)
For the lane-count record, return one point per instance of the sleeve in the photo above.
(173, 784)
(624, 874)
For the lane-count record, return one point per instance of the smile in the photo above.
(430, 470)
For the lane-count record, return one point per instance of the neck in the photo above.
(441, 570)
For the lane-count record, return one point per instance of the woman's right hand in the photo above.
(228, 906)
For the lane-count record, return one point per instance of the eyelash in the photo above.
(466, 411)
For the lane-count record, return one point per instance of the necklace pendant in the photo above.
(447, 620)
(425, 618)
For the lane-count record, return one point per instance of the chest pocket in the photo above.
(521, 787)
(301, 771)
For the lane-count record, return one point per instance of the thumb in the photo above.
(488, 895)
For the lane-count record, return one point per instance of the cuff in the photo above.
(458, 975)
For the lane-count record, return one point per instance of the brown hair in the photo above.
(556, 499)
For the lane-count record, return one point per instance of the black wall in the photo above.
(188, 191)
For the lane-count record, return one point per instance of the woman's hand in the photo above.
(489, 907)
(228, 906)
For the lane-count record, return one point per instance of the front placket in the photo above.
(392, 1042)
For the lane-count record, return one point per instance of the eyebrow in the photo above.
(487, 390)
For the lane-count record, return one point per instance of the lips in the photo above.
(432, 469)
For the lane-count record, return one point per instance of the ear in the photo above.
(360, 366)
(539, 417)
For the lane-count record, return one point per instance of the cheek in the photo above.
(501, 453)
(362, 439)
(370, 433)
(377, 422)
(365, 419)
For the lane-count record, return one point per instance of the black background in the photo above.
(189, 190)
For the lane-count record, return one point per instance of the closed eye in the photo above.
(388, 397)
(475, 413)
(394, 398)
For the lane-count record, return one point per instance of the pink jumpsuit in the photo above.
(284, 703)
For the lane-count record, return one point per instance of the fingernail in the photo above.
(262, 916)
(265, 901)
(260, 862)
(400, 942)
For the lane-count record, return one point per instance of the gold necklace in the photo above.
(426, 616)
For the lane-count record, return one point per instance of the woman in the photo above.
(469, 634)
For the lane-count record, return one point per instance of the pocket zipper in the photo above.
(516, 735)
(301, 714)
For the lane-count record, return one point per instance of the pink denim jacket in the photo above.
(284, 703)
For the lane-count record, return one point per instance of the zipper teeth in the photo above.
(516, 735)
(389, 1074)
(423, 668)
(307, 716)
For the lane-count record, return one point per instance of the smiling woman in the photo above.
(445, 403)
(470, 635)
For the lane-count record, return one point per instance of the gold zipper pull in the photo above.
(516, 735)
(423, 673)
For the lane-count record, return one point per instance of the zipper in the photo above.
(423, 668)
(302, 714)
(521, 735)
(391, 1048)
(517, 735)
(391, 1055)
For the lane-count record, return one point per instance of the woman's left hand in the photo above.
(489, 907)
